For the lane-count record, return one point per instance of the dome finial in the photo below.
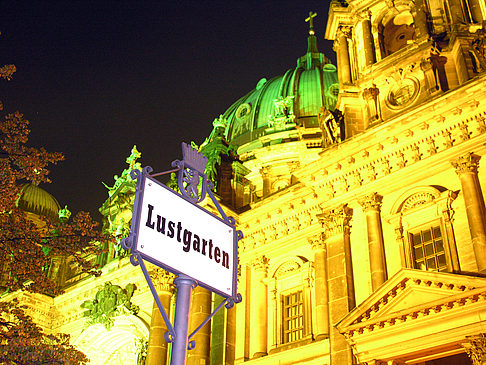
(310, 19)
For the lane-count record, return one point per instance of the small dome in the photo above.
(34, 199)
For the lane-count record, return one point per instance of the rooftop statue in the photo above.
(214, 147)
(64, 214)
(125, 176)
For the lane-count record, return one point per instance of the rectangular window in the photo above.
(428, 250)
(293, 317)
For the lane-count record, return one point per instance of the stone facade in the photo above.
(371, 250)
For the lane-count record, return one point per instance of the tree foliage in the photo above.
(27, 248)
(22, 342)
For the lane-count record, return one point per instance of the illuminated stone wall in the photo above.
(336, 264)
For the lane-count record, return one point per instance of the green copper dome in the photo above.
(277, 109)
(34, 199)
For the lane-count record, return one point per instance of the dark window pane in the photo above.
(431, 264)
(429, 249)
(416, 239)
(439, 246)
(419, 253)
(437, 232)
(427, 235)
(441, 259)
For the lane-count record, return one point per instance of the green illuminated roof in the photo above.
(313, 83)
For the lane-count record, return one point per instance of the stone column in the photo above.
(157, 346)
(371, 207)
(258, 308)
(321, 330)
(341, 48)
(200, 310)
(467, 168)
(368, 43)
(336, 225)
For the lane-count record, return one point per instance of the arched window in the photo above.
(290, 301)
(422, 218)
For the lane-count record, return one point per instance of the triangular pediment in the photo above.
(410, 292)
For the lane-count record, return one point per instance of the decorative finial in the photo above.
(310, 19)
(64, 214)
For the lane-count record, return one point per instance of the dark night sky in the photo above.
(95, 78)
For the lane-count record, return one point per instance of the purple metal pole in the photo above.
(184, 287)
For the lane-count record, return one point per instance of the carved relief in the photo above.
(162, 280)
(468, 163)
(476, 348)
(336, 221)
(261, 264)
(371, 202)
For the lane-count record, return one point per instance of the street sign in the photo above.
(184, 238)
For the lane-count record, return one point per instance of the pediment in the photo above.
(410, 293)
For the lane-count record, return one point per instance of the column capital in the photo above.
(336, 221)
(476, 348)
(364, 15)
(317, 242)
(371, 202)
(466, 163)
(344, 30)
(163, 280)
(261, 264)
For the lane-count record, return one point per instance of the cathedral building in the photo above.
(359, 188)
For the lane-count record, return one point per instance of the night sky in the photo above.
(95, 78)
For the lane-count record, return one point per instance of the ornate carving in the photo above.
(371, 202)
(466, 163)
(476, 348)
(286, 267)
(109, 302)
(317, 242)
(416, 200)
(465, 134)
(336, 221)
(261, 264)
(432, 146)
(162, 280)
(449, 142)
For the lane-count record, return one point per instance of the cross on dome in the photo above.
(310, 19)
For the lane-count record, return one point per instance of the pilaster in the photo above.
(336, 226)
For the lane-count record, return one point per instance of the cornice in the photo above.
(436, 132)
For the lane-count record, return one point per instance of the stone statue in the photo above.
(332, 126)
(125, 176)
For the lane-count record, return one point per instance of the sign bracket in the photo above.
(193, 186)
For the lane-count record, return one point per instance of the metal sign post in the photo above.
(172, 232)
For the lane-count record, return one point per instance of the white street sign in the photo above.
(184, 238)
